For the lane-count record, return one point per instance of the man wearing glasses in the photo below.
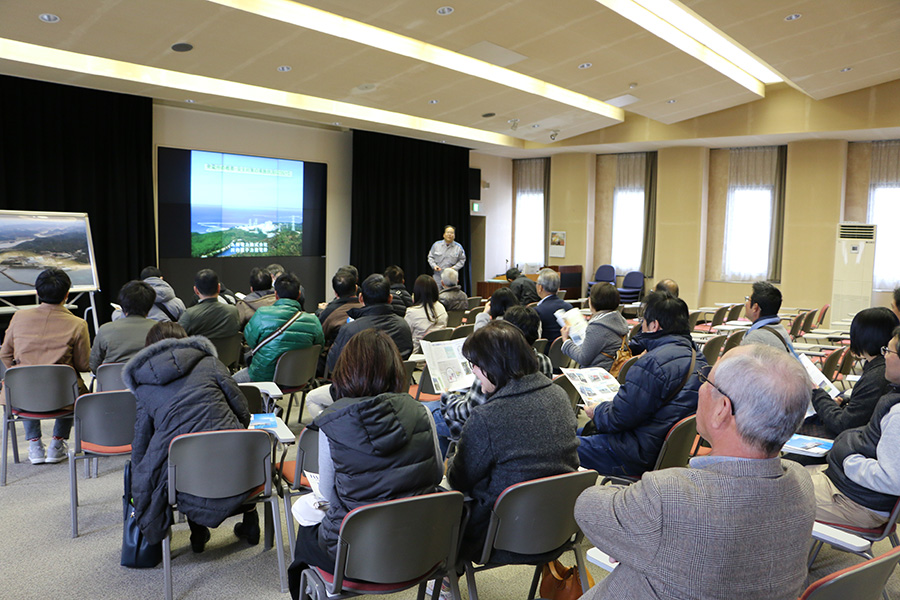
(861, 481)
(737, 523)
(762, 308)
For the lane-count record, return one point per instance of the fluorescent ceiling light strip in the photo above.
(682, 19)
(331, 24)
(668, 32)
(105, 67)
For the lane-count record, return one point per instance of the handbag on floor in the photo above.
(137, 553)
(559, 582)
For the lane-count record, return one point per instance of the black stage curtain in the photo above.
(404, 192)
(68, 149)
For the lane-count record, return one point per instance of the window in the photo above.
(884, 211)
(530, 178)
(628, 213)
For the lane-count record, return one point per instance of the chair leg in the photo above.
(279, 543)
(302, 404)
(582, 570)
(454, 583)
(292, 536)
(535, 580)
(813, 553)
(894, 541)
(167, 562)
(73, 493)
(290, 404)
(6, 425)
(470, 581)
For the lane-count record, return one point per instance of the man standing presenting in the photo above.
(737, 523)
(446, 253)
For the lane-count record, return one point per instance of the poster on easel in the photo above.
(31, 242)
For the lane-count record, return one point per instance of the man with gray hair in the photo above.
(451, 295)
(547, 286)
(736, 523)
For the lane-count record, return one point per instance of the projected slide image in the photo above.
(245, 205)
(30, 243)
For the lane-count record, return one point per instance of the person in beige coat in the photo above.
(426, 314)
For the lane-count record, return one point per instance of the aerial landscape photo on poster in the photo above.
(245, 205)
(30, 243)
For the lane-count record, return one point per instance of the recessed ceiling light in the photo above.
(336, 123)
(672, 101)
(631, 86)
(182, 47)
(536, 125)
(366, 87)
(488, 115)
(585, 65)
(445, 10)
(283, 68)
(845, 69)
(48, 18)
(433, 101)
(189, 101)
(793, 17)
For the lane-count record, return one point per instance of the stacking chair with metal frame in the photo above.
(228, 350)
(104, 426)
(109, 377)
(556, 356)
(712, 347)
(391, 546)
(605, 273)
(822, 312)
(220, 464)
(717, 319)
(439, 335)
(865, 581)
(623, 370)
(831, 363)
(455, 317)
(693, 317)
(734, 312)
(676, 451)
(733, 341)
(425, 386)
(35, 392)
(474, 301)
(567, 386)
(808, 322)
(291, 473)
(409, 366)
(632, 287)
(535, 518)
(463, 331)
(469, 318)
(876, 534)
(540, 345)
(797, 325)
(255, 402)
(295, 372)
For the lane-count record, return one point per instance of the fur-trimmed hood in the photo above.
(166, 361)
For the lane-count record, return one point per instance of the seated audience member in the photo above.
(209, 317)
(660, 389)
(762, 308)
(118, 341)
(261, 294)
(345, 299)
(275, 270)
(48, 335)
(375, 444)
(342, 296)
(737, 523)
(402, 299)
(667, 285)
(523, 287)
(860, 484)
(455, 407)
(427, 314)
(375, 313)
(302, 332)
(604, 333)
(547, 286)
(895, 302)
(870, 330)
(167, 307)
(501, 300)
(181, 387)
(451, 295)
(524, 431)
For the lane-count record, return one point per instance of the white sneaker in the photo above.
(57, 451)
(36, 452)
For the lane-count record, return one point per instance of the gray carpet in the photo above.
(40, 560)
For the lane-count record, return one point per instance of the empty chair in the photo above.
(391, 546)
(822, 312)
(222, 464)
(104, 426)
(797, 325)
(463, 331)
(734, 313)
(734, 340)
(229, 350)
(632, 287)
(455, 317)
(808, 321)
(474, 301)
(291, 473)
(864, 581)
(832, 362)
(109, 377)
(535, 518)
(35, 392)
(295, 372)
(605, 273)
(712, 347)
(717, 319)
(439, 335)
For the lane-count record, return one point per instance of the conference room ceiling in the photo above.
(542, 39)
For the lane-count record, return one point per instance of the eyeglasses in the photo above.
(703, 376)
(885, 350)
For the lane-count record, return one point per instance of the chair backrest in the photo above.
(296, 368)
(797, 324)
(470, 314)
(109, 377)
(105, 419)
(734, 340)
(693, 317)
(561, 294)
(463, 331)
(474, 301)
(875, 534)
(540, 345)
(426, 385)
(219, 464)
(566, 385)
(307, 454)
(633, 280)
(537, 516)
(679, 442)
(40, 388)
(822, 313)
(605, 273)
(734, 313)
(399, 540)
(455, 317)
(254, 398)
(555, 354)
(808, 321)
(635, 329)
(719, 316)
(438, 335)
(623, 370)
(410, 367)
(847, 363)
(831, 363)
(228, 349)
(712, 347)
(864, 581)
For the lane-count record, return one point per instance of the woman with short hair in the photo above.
(605, 331)
(502, 299)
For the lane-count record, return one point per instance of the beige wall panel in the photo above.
(723, 291)
(859, 166)
(572, 207)
(497, 206)
(715, 220)
(681, 206)
(603, 209)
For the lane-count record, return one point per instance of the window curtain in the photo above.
(748, 214)
(531, 185)
(648, 255)
(884, 211)
(629, 204)
(776, 243)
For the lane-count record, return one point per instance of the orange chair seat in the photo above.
(290, 467)
(98, 449)
(423, 397)
(366, 586)
(66, 412)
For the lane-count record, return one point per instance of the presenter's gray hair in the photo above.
(770, 392)
(549, 280)
(449, 277)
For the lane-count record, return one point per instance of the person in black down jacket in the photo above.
(375, 444)
(525, 430)
(659, 391)
(180, 387)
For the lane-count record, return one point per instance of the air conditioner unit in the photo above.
(854, 265)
